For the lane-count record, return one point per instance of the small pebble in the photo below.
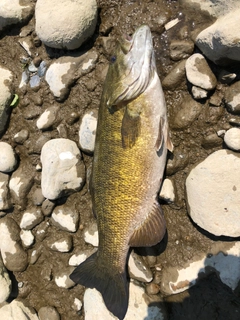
(8, 159)
(48, 313)
(232, 139)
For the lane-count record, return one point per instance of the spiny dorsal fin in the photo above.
(130, 130)
(152, 230)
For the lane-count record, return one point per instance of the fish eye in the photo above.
(113, 59)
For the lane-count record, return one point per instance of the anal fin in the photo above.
(152, 230)
(131, 125)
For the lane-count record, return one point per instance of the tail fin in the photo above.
(112, 285)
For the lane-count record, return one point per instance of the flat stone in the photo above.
(138, 308)
(199, 73)
(212, 193)
(47, 118)
(232, 139)
(77, 29)
(63, 171)
(5, 201)
(223, 259)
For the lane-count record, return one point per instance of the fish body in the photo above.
(129, 160)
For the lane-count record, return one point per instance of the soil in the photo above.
(210, 298)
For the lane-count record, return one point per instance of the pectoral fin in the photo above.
(131, 125)
(152, 230)
(163, 136)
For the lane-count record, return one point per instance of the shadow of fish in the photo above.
(129, 160)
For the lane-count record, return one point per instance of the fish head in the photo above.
(131, 68)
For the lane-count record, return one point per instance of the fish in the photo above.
(132, 138)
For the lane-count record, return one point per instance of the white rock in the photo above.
(8, 160)
(138, 309)
(31, 218)
(13, 255)
(27, 238)
(199, 93)
(65, 218)
(167, 191)
(79, 17)
(6, 95)
(12, 12)
(138, 269)
(76, 259)
(87, 131)
(91, 235)
(62, 245)
(232, 139)
(225, 262)
(62, 73)
(16, 310)
(5, 283)
(212, 189)
(63, 171)
(47, 118)
(220, 41)
(77, 304)
(199, 73)
(63, 281)
(5, 202)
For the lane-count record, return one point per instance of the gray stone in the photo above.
(13, 255)
(5, 283)
(181, 49)
(48, 313)
(232, 98)
(61, 242)
(8, 159)
(198, 72)
(47, 118)
(27, 238)
(175, 77)
(62, 73)
(17, 310)
(232, 139)
(5, 202)
(63, 171)
(212, 189)
(80, 18)
(91, 234)
(220, 41)
(199, 93)
(21, 136)
(65, 218)
(31, 218)
(6, 96)
(62, 279)
(87, 131)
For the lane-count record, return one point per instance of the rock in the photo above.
(199, 93)
(138, 308)
(62, 73)
(211, 141)
(8, 159)
(41, 230)
(198, 72)
(232, 98)
(232, 139)
(5, 202)
(212, 193)
(61, 242)
(175, 77)
(6, 78)
(87, 131)
(16, 310)
(138, 269)
(219, 42)
(37, 197)
(13, 255)
(31, 218)
(28, 46)
(188, 111)
(5, 283)
(35, 81)
(152, 288)
(47, 207)
(48, 313)
(180, 49)
(13, 12)
(80, 256)
(63, 171)
(47, 118)
(77, 305)
(21, 182)
(65, 218)
(178, 161)
(27, 238)
(167, 191)
(91, 235)
(223, 259)
(71, 34)
(62, 279)
(21, 136)
(226, 76)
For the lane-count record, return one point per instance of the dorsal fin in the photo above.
(152, 230)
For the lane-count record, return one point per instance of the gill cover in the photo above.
(132, 68)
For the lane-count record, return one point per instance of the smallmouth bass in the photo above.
(130, 153)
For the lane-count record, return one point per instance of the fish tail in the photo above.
(111, 284)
